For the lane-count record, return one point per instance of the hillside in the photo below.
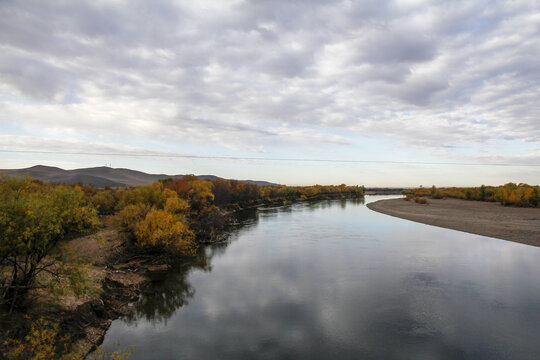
(102, 176)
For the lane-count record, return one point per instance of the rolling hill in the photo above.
(102, 176)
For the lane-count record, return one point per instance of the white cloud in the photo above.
(254, 76)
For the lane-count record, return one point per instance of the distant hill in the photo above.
(103, 176)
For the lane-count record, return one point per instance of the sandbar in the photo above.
(477, 217)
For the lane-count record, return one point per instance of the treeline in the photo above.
(194, 211)
(510, 194)
(167, 218)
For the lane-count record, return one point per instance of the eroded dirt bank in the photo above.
(483, 218)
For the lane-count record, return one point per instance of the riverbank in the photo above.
(482, 218)
(115, 274)
(115, 278)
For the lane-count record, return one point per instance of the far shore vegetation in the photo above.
(522, 195)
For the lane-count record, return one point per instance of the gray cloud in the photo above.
(397, 45)
(252, 74)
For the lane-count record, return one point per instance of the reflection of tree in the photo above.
(170, 290)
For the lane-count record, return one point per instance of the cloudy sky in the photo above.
(403, 81)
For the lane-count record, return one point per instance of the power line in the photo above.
(212, 157)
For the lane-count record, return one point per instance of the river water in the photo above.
(335, 280)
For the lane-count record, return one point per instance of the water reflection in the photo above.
(333, 279)
(171, 289)
(168, 291)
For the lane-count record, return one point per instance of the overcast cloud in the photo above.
(443, 77)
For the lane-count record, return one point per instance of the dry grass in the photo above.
(87, 255)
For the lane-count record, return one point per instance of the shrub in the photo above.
(161, 231)
(44, 341)
(104, 202)
(41, 343)
(437, 195)
(174, 204)
(151, 195)
(131, 215)
(420, 200)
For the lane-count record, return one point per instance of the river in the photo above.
(335, 280)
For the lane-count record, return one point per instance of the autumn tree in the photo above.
(156, 218)
(130, 215)
(34, 218)
(104, 202)
(161, 231)
(200, 194)
(179, 186)
(222, 192)
(151, 195)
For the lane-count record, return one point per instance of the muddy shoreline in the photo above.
(482, 218)
(122, 286)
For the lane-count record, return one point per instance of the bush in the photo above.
(131, 215)
(161, 231)
(420, 200)
(151, 195)
(174, 204)
(44, 342)
(437, 195)
(41, 343)
(104, 202)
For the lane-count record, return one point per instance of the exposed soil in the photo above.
(122, 285)
(483, 218)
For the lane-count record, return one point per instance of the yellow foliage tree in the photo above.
(162, 231)
(201, 194)
(173, 204)
(34, 218)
